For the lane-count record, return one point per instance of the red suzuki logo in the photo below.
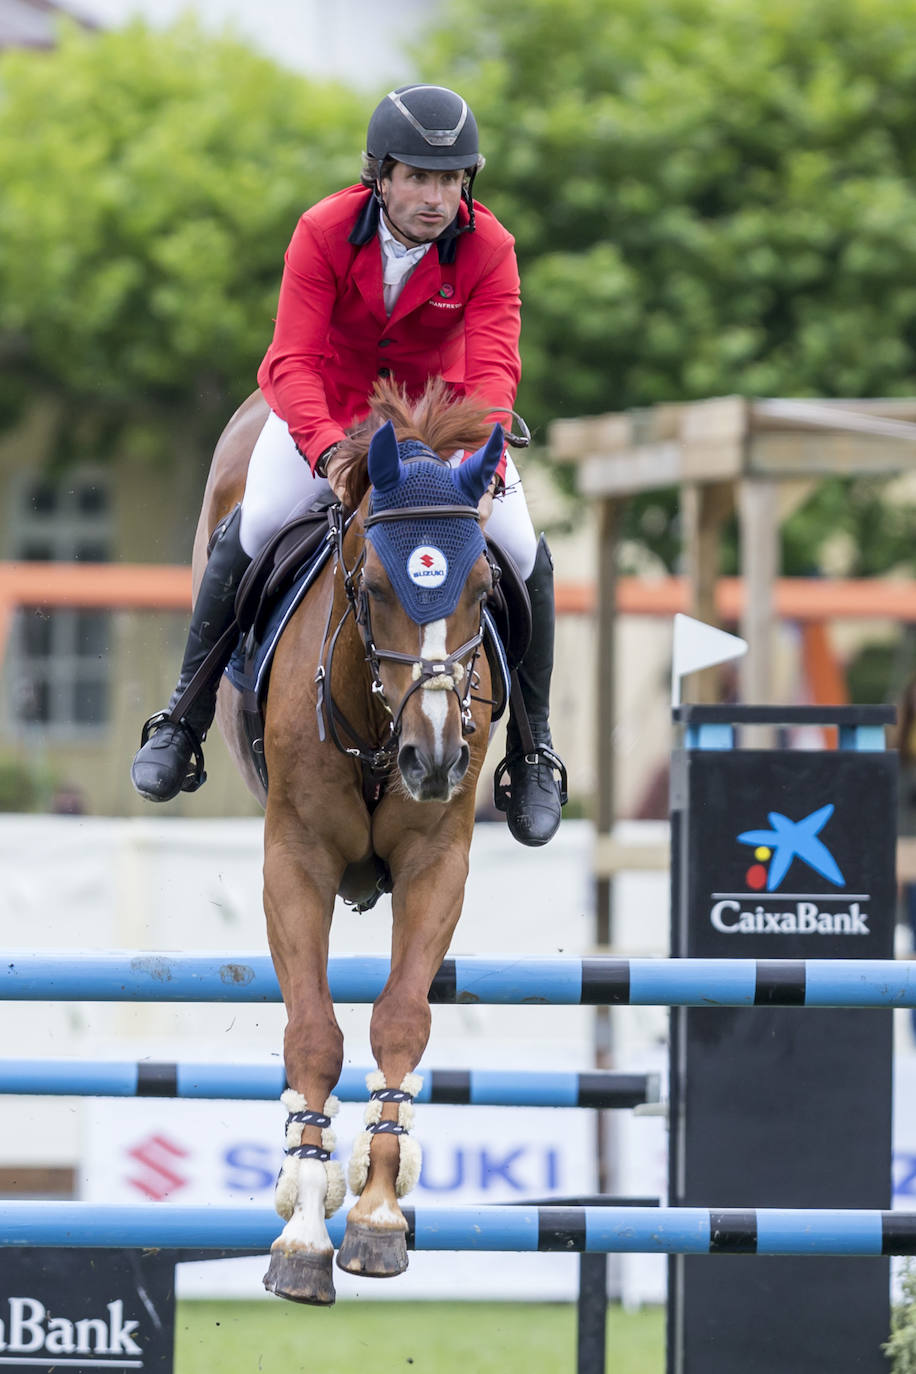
(426, 560)
(158, 1156)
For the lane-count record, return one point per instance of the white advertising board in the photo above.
(227, 1154)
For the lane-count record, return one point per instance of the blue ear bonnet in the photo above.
(427, 559)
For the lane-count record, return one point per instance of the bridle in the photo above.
(454, 672)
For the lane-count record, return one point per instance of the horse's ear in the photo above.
(385, 468)
(472, 477)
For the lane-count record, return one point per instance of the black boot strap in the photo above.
(214, 663)
(391, 1095)
(309, 1152)
(308, 1118)
(541, 755)
(519, 713)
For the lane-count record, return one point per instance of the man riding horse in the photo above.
(403, 276)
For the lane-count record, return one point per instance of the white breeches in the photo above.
(281, 486)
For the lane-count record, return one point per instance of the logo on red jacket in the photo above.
(427, 566)
(446, 290)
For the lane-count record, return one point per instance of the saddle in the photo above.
(291, 551)
(280, 577)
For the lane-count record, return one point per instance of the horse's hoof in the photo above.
(301, 1276)
(372, 1253)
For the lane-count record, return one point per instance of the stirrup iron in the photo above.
(541, 755)
(197, 775)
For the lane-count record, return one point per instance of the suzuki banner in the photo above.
(229, 1153)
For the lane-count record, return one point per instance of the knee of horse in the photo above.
(313, 1044)
(400, 1024)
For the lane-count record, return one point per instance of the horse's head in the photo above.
(424, 583)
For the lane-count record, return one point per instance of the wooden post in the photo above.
(605, 697)
(704, 509)
(757, 507)
(608, 520)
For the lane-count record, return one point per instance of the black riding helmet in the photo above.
(429, 127)
(424, 126)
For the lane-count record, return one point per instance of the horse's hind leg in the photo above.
(311, 1185)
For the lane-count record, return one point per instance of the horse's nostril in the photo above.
(411, 762)
(459, 765)
(428, 779)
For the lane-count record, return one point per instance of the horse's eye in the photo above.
(377, 590)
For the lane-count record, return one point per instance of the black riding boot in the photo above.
(534, 797)
(171, 759)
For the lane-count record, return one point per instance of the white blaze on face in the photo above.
(435, 703)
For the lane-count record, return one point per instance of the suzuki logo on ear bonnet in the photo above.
(428, 567)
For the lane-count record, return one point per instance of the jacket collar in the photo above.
(365, 228)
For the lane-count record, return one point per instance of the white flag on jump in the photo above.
(697, 645)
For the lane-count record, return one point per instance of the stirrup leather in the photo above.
(197, 775)
(541, 755)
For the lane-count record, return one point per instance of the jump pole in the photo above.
(265, 1082)
(137, 976)
(608, 1230)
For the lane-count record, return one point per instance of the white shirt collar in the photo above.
(398, 262)
(395, 248)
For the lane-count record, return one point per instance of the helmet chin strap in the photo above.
(393, 224)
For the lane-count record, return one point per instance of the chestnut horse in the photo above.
(376, 726)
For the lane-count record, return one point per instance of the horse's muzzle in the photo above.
(428, 779)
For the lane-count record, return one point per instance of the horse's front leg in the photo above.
(385, 1164)
(300, 883)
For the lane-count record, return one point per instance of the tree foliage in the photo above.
(151, 182)
(709, 197)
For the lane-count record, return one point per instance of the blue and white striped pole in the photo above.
(143, 977)
(641, 1230)
(265, 1082)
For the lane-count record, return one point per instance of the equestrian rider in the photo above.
(403, 276)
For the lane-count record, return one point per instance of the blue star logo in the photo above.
(796, 840)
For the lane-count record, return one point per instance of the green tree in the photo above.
(709, 197)
(151, 182)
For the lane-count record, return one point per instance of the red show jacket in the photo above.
(456, 319)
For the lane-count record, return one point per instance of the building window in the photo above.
(60, 660)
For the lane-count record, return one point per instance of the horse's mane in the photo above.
(438, 418)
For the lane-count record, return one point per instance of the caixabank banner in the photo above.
(790, 854)
(782, 854)
(85, 1310)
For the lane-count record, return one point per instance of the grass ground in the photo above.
(416, 1338)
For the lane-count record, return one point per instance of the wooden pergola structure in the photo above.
(754, 458)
